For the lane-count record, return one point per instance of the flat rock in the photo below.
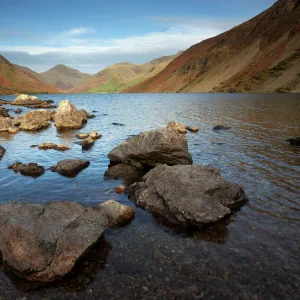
(221, 127)
(70, 167)
(146, 150)
(67, 116)
(189, 196)
(46, 146)
(44, 242)
(177, 126)
(82, 136)
(117, 214)
(2, 152)
(24, 99)
(128, 173)
(31, 169)
(192, 129)
(117, 124)
(62, 147)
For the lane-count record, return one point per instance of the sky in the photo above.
(90, 35)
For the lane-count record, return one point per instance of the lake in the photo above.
(254, 254)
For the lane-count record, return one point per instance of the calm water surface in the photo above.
(255, 254)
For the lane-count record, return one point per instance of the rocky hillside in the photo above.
(121, 76)
(15, 79)
(260, 55)
(64, 78)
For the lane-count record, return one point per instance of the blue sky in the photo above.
(91, 35)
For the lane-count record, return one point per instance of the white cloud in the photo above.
(82, 47)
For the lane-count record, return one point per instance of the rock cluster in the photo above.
(88, 139)
(182, 128)
(47, 146)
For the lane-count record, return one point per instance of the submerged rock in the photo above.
(44, 242)
(177, 126)
(70, 167)
(31, 169)
(68, 116)
(95, 135)
(117, 124)
(221, 127)
(294, 141)
(146, 150)
(128, 173)
(62, 148)
(189, 196)
(117, 214)
(2, 152)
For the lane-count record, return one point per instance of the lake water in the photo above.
(255, 254)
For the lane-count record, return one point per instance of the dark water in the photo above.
(255, 254)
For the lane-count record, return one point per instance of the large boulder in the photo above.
(146, 150)
(24, 99)
(189, 196)
(2, 152)
(44, 242)
(70, 167)
(34, 120)
(117, 214)
(68, 116)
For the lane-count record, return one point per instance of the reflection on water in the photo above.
(254, 254)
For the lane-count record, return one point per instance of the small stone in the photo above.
(82, 136)
(13, 130)
(145, 289)
(95, 135)
(117, 124)
(221, 127)
(46, 146)
(120, 189)
(62, 148)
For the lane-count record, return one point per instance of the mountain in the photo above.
(121, 76)
(15, 79)
(260, 55)
(63, 77)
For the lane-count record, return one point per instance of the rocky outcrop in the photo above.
(31, 169)
(189, 196)
(2, 152)
(47, 146)
(68, 116)
(146, 150)
(44, 242)
(24, 99)
(221, 127)
(177, 126)
(294, 141)
(34, 120)
(128, 173)
(117, 214)
(70, 167)
(4, 113)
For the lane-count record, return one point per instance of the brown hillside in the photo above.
(121, 76)
(64, 78)
(261, 54)
(15, 79)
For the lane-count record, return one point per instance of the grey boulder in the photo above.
(189, 196)
(44, 242)
(70, 167)
(146, 150)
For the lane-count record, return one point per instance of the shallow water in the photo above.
(252, 255)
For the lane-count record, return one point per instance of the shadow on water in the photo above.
(78, 279)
